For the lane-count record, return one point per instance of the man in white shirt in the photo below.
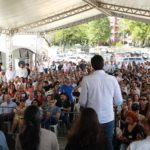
(46, 65)
(22, 72)
(7, 106)
(101, 91)
(6, 109)
(10, 74)
(142, 144)
(107, 67)
(40, 68)
(30, 99)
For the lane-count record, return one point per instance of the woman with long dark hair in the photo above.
(86, 133)
(33, 137)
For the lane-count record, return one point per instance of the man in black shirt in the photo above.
(46, 86)
(65, 106)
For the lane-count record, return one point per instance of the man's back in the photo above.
(99, 91)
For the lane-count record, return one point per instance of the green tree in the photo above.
(99, 31)
(92, 33)
(71, 36)
(139, 31)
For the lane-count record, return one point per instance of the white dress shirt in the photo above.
(7, 108)
(100, 91)
(10, 75)
(22, 73)
(28, 102)
(140, 145)
(41, 68)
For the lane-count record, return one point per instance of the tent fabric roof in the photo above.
(46, 15)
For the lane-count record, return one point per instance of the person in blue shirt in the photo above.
(68, 89)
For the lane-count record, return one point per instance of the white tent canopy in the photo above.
(46, 15)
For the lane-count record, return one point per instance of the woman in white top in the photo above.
(33, 137)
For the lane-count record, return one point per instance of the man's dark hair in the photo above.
(135, 107)
(97, 62)
(46, 82)
(27, 64)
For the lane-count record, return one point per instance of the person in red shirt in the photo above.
(40, 98)
(29, 87)
(11, 90)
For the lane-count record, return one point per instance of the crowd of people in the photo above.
(59, 90)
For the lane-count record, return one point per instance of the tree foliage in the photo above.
(139, 31)
(91, 33)
(99, 31)
(71, 36)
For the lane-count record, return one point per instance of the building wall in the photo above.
(114, 23)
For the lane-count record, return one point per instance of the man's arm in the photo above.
(117, 93)
(83, 95)
(68, 109)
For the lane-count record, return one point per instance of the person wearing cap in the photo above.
(10, 74)
(142, 144)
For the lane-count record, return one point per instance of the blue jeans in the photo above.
(107, 128)
(45, 70)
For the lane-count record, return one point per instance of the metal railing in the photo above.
(64, 123)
